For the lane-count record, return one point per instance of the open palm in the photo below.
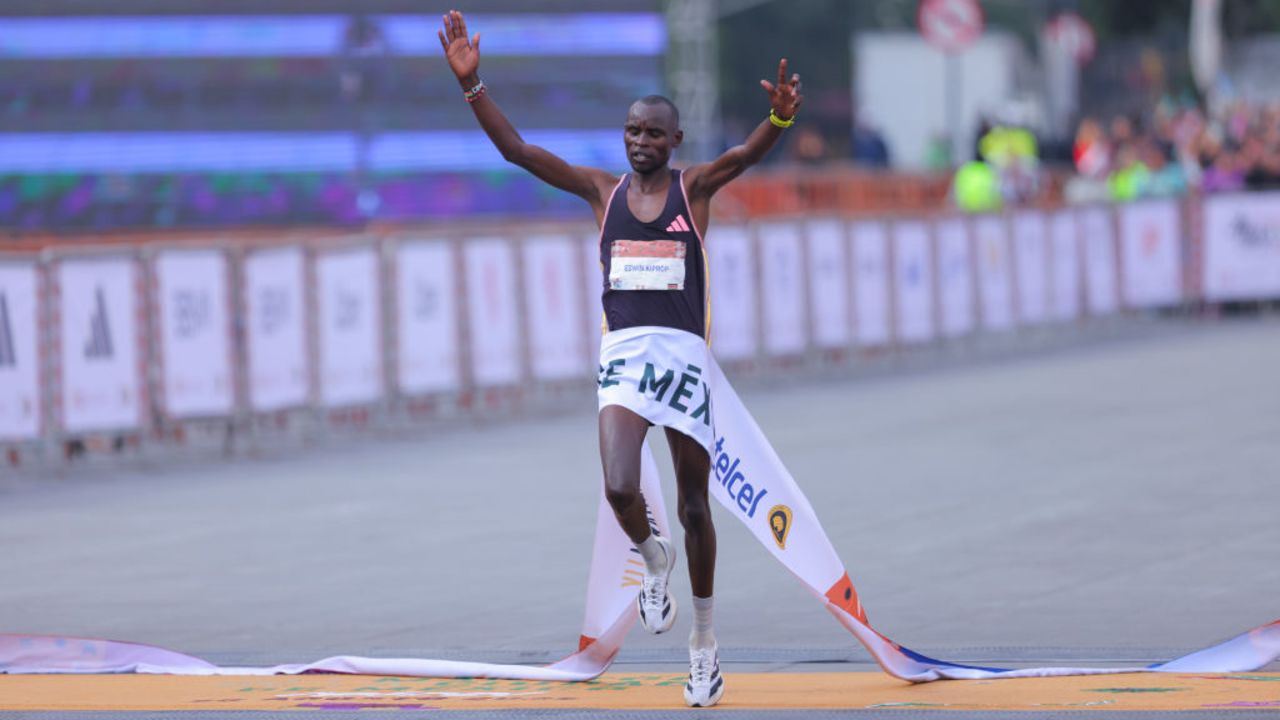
(463, 53)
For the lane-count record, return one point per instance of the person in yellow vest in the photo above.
(976, 188)
(1126, 183)
(1014, 154)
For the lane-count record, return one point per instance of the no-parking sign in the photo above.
(950, 25)
(1074, 35)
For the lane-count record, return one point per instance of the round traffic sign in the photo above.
(950, 25)
(1074, 35)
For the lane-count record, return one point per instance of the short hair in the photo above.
(661, 100)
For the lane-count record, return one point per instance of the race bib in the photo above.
(646, 265)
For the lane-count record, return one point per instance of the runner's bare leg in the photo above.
(693, 470)
(621, 439)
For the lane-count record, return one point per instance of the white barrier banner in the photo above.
(913, 271)
(428, 349)
(829, 283)
(19, 357)
(279, 367)
(733, 293)
(593, 291)
(871, 283)
(349, 288)
(1151, 243)
(195, 332)
(101, 383)
(492, 312)
(1099, 260)
(553, 304)
(995, 272)
(782, 288)
(1031, 255)
(1242, 247)
(955, 277)
(1064, 254)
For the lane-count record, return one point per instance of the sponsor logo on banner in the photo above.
(914, 289)
(426, 300)
(1150, 240)
(426, 317)
(98, 346)
(728, 472)
(913, 273)
(19, 378)
(8, 352)
(780, 524)
(274, 312)
(348, 341)
(1151, 264)
(191, 312)
(1242, 247)
(194, 333)
(346, 309)
(100, 375)
(1254, 235)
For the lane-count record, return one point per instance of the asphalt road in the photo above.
(1114, 502)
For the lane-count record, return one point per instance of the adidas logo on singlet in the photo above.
(679, 225)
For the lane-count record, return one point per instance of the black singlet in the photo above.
(683, 309)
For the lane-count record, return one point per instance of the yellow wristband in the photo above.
(779, 122)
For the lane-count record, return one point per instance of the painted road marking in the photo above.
(639, 691)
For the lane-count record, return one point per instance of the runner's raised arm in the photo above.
(784, 102)
(463, 53)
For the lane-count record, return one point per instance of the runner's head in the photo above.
(651, 133)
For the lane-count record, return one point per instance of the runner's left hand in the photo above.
(784, 97)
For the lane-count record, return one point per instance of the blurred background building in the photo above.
(133, 114)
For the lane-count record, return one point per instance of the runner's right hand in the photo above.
(463, 54)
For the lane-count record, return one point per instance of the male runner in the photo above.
(652, 222)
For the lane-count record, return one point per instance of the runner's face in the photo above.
(650, 135)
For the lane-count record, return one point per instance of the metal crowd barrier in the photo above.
(123, 344)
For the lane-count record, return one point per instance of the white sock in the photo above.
(655, 558)
(702, 638)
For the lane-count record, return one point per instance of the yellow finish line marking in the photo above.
(640, 691)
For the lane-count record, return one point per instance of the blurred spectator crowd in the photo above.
(1175, 148)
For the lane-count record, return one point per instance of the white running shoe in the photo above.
(705, 686)
(657, 607)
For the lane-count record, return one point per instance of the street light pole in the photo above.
(693, 76)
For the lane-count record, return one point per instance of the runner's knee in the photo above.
(620, 493)
(694, 512)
